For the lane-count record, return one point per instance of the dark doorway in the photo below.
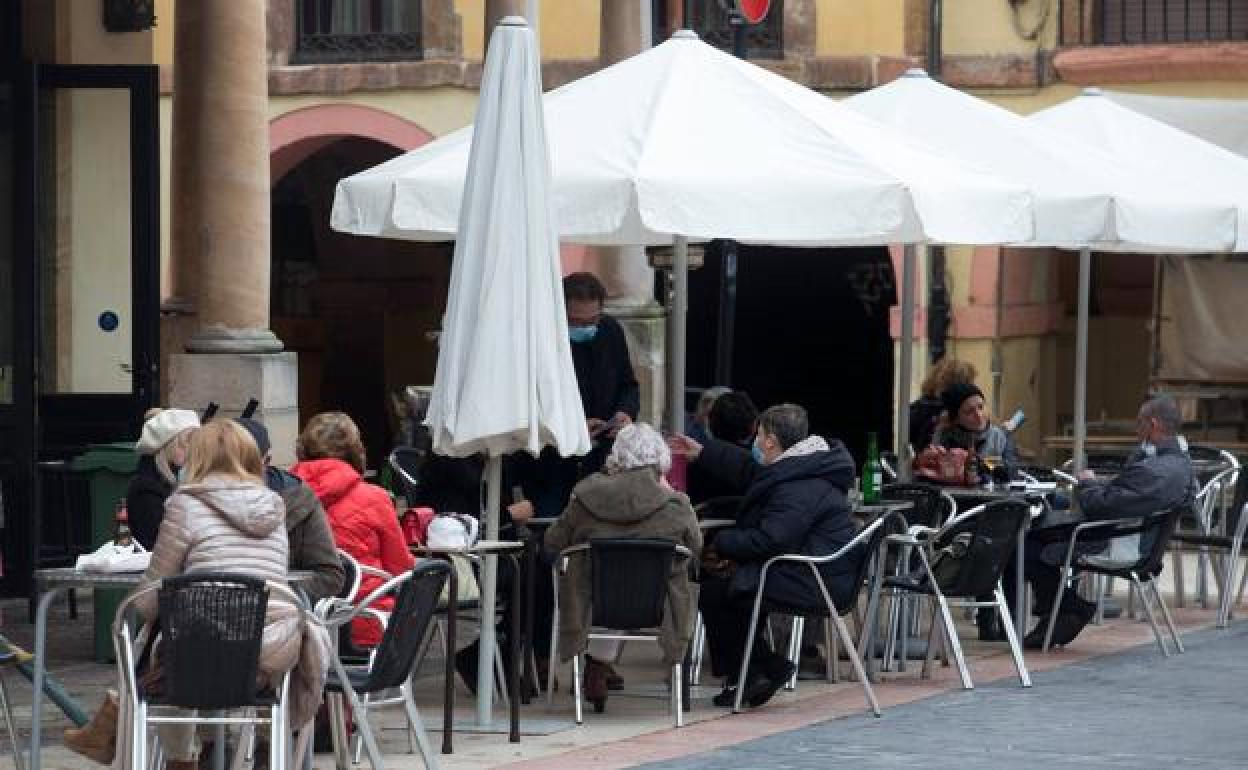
(360, 312)
(811, 327)
(80, 166)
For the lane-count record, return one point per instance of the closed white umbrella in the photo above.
(505, 381)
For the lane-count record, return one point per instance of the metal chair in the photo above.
(977, 545)
(865, 546)
(1206, 515)
(406, 463)
(1152, 533)
(9, 658)
(212, 627)
(628, 594)
(392, 663)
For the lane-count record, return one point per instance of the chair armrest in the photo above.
(375, 572)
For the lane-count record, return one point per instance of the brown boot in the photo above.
(98, 740)
(595, 681)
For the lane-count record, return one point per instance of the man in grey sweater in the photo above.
(1158, 476)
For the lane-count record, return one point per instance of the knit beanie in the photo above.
(957, 394)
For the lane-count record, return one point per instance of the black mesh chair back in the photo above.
(350, 586)
(406, 463)
(869, 554)
(719, 507)
(979, 548)
(629, 581)
(414, 610)
(929, 505)
(212, 626)
(1154, 530)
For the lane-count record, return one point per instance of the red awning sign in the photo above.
(753, 11)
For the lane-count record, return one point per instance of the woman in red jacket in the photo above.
(364, 522)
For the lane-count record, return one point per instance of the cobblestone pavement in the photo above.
(1130, 710)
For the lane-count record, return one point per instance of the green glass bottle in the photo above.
(872, 472)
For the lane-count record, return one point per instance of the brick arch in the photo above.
(296, 135)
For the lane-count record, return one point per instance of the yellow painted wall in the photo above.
(437, 110)
(985, 26)
(568, 29)
(858, 27)
(162, 42)
(82, 39)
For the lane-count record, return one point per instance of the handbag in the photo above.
(946, 466)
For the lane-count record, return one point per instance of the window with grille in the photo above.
(357, 30)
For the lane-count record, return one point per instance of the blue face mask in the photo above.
(757, 453)
(583, 333)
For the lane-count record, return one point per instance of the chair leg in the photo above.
(1165, 614)
(417, 727)
(1202, 576)
(1062, 581)
(338, 730)
(831, 668)
(890, 633)
(698, 644)
(1148, 612)
(1015, 648)
(365, 730)
(933, 635)
(855, 661)
(553, 658)
(8, 723)
(749, 644)
(951, 634)
(1229, 565)
(797, 629)
(576, 687)
(866, 636)
(138, 748)
(1180, 589)
(678, 706)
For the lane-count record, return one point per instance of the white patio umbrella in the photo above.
(685, 142)
(1173, 160)
(1083, 197)
(505, 380)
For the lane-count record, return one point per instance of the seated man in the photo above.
(1157, 477)
(794, 487)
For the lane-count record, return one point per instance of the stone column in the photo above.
(220, 224)
(625, 27)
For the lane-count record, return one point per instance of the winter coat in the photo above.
(307, 529)
(365, 525)
(631, 503)
(604, 373)
(226, 525)
(796, 505)
(145, 501)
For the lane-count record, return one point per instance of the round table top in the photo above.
(884, 506)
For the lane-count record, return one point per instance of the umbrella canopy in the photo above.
(1173, 159)
(505, 380)
(1082, 195)
(684, 140)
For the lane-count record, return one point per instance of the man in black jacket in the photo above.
(795, 502)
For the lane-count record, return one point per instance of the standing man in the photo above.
(610, 395)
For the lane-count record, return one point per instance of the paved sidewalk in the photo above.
(1130, 710)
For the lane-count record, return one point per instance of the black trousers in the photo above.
(727, 620)
(1042, 568)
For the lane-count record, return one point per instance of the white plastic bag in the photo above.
(452, 530)
(111, 557)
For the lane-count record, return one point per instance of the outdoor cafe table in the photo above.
(511, 548)
(50, 583)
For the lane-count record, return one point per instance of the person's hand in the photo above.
(1086, 475)
(618, 423)
(683, 445)
(520, 512)
(595, 426)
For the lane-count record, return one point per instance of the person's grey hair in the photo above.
(638, 446)
(1166, 411)
(788, 423)
(709, 397)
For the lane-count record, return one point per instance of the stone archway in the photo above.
(356, 310)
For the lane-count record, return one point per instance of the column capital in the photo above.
(216, 338)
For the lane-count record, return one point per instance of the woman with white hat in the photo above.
(162, 450)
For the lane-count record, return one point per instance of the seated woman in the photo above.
(222, 518)
(733, 418)
(162, 453)
(363, 520)
(965, 425)
(925, 411)
(629, 498)
(795, 502)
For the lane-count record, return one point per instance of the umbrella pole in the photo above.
(676, 319)
(905, 369)
(489, 579)
(1081, 359)
(997, 343)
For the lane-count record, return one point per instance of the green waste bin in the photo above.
(107, 470)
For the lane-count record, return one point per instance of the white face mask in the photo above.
(181, 475)
(1148, 448)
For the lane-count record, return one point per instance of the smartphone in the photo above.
(1015, 422)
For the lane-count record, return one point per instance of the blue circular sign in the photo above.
(109, 321)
